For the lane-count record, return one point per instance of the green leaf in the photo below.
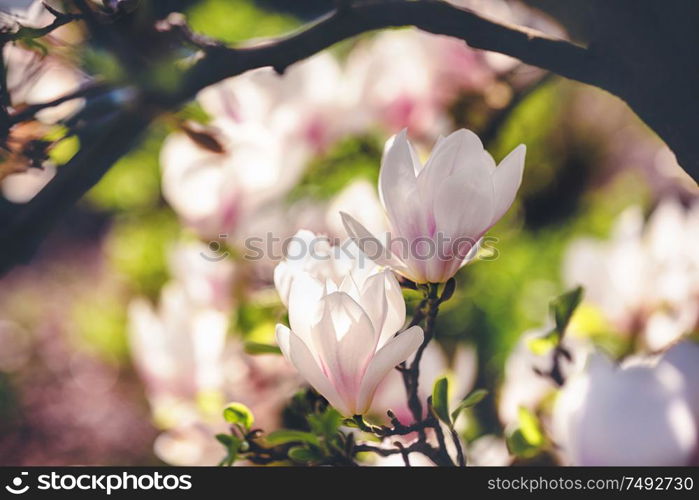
(326, 423)
(529, 426)
(518, 446)
(224, 439)
(303, 454)
(239, 414)
(232, 445)
(563, 307)
(284, 436)
(528, 440)
(258, 348)
(542, 345)
(469, 401)
(440, 399)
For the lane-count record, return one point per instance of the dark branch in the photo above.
(25, 32)
(434, 16)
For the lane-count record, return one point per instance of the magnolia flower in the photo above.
(342, 338)
(268, 126)
(178, 348)
(635, 414)
(312, 103)
(407, 78)
(29, 13)
(438, 212)
(359, 199)
(206, 281)
(644, 279)
(684, 356)
(525, 384)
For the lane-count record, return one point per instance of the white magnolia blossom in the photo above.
(438, 212)
(645, 277)
(684, 356)
(310, 103)
(359, 199)
(30, 13)
(177, 348)
(268, 126)
(206, 278)
(488, 451)
(522, 385)
(214, 192)
(634, 414)
(407, 78)
(342, 337)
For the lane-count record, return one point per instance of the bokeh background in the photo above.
(126, 334)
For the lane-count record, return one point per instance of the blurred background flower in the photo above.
(145, 310)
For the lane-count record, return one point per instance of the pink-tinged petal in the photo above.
(507, 178)
(391, 299)
(304, 304)
(398, 185)
(399, 166)
(461, 150)
(374, 302)
(344, 340)
(369, 244)
(282, 334)
(393, 353)
(395, 318)
(464, 205)
(303, 360)
(283, 278)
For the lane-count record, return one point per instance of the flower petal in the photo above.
(507, 178)
(300, 356)
(394, 352)
(382, 299)
(462, 149)
(304, 304)
(398, 185)
(344, 341)
(464, 205)
(369, 244)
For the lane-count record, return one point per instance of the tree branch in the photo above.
(434, 16)
(25, 32)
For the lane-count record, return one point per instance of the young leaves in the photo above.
(563, 307)
(440, 401)
(239, 414)
(469, 401)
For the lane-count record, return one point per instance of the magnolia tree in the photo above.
(377, 388)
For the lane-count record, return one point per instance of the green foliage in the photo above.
(348, 160)
(528, 439)
(233, 446)
(258, 348)
(440, 399)
(133, 183)
(471, 400)
(100, 325)
(305, 454)
(236, 20)
(325, 423)
(563, 307)
(239, 414)
(284, 436)
(138, 248)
